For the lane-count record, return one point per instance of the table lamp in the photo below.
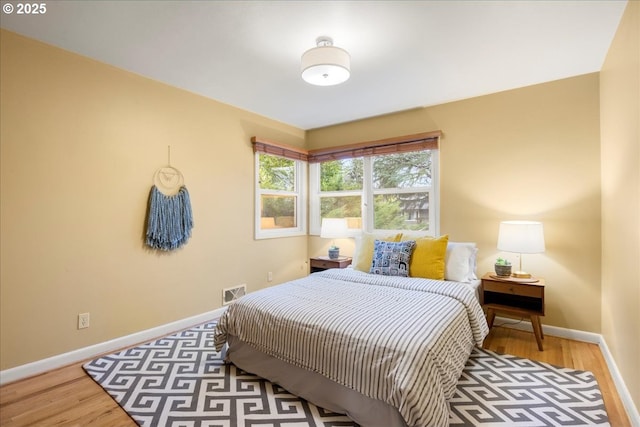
(523, 237)
(334, 228)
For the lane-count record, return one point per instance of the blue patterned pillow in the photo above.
(391, 258)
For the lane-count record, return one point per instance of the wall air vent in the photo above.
(229, 295)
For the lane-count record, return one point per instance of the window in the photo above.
(280, 195)
(402, 190)
(341, 190)
(377, 187)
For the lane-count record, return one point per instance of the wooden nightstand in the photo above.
(513, 296)
(321, 263)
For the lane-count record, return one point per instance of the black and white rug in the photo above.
(180, 380)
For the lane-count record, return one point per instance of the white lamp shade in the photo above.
(326, 66)
(334, 228)
(525, 237)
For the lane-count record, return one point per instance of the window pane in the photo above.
(406, 211)
(348, 207)
(277, 211)
(402, 170)
(338, 175)
(277, 173)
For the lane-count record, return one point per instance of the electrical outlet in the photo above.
(270, 276)
(83, 320)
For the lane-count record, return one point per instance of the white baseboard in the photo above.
(554, 331)
(45, 365)
(625, 396)
(590, 337)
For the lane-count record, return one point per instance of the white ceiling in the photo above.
(404, 54)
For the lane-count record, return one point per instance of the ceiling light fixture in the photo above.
(325, 65)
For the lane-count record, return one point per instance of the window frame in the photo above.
(307, 185)
(315, 219)
(417, 142)
(299, 192)
(368, 193)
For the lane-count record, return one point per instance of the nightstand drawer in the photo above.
(317, 263)
(325, 263)
(520, 289)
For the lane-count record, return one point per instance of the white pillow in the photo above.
(460, 262)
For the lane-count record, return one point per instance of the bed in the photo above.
(384, 350)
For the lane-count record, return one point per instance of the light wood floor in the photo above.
(68, 397)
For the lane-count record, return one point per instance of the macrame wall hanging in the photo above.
(169, 220)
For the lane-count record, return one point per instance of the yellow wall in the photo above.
(80, 142)
(531, 153)
(620, 115)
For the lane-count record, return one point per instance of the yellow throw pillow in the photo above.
(427, 260)
(363, 254)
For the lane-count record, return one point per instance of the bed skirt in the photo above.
(313, 387)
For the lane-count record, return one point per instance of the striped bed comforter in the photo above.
(404, 341)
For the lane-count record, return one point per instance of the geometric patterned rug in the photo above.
(180, 380)
(505, 390)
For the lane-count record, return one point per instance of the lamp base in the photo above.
(334, 253)
(521, 275)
